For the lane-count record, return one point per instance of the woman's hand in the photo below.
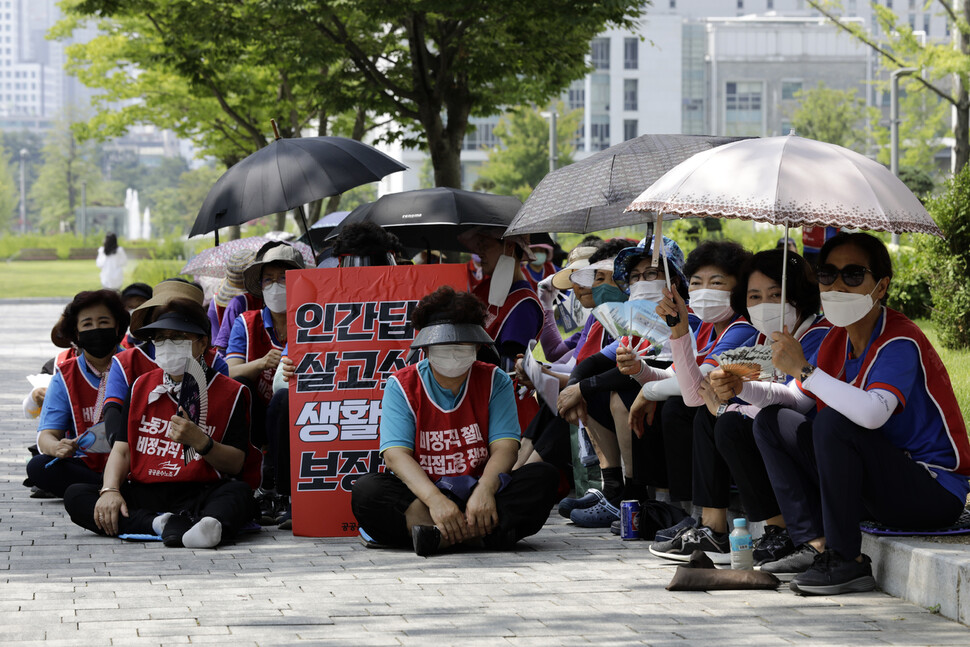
(65, 448)
(520, 375)
(289, 368)
(627, 361)
(106, 511)
(449, 519)
(571, 398)
(37, 395)
(481, 513)
(706, 391)
(642, 409)
(182, 430)
(725, 385)
(673, 305)
(272, 359)
(787, 354)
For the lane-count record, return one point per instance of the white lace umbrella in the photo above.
(789, 181)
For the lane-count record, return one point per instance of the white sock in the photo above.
(158, 523)
(663, 495)
(207, 533)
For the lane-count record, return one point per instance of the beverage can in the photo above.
(629, 519)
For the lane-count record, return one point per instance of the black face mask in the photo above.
(99, 342)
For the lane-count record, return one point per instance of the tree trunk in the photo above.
(233, 232)
(280, 221)
(961, 110)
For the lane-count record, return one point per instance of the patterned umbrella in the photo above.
(789, 181)
(212, 261)
(591, 195)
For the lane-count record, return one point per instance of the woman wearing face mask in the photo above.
(151, 486)
(449, 438)
(724, 446)
(541, 266)
(712, 273)
(614, 393)
(96, 323)
(258, 336)
(888, 437)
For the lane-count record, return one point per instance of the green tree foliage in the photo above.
(945, 69)
(949, 258)
(67, 164)
(522, 159)
(9, 193)
(833, 116)
(924, 121)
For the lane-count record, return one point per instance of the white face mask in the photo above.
(845, 308)
(452, 360)
(274, 297)
(712, 306)
(170, 355)
(648, 290)
(502, 276)
(765, 317)
(540, 258)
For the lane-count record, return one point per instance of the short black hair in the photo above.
(802, 289)
(367, 239)
(109, 298)
(726, 255)
(137, 290)
(590, 241)
(189, 309)
(609, 249)
(880, 263)
(445, 304)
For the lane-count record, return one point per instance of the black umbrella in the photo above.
(287, 174)
(433, 218)
(591, 194)
(319, 230)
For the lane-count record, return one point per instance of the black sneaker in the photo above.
(797, 562)
(426, 540)
(832, 574)
(715, 545)
(615, 527)
(268, 502)
(670, 546)
(774, 544)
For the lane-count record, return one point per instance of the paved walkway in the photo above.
(565, 586)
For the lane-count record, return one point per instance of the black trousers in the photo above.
(379, 501)
(257, 429)
(550, 438)
(60, 475)
(276, 466)
(230, 502)
(830, 473)
(724, 448)
(678, 437)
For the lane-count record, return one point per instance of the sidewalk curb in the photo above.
(923, 572)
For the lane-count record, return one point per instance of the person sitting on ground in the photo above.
(449, 438)
(888, 441)
(151, 485)
(74, 401)
(232, 286)
(724, 448)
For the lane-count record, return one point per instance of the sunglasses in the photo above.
(852, 275)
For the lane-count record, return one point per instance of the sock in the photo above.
(663, 495)
(207, 533)
(613, 484)
(158, 523)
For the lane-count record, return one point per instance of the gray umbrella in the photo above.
(591, 194)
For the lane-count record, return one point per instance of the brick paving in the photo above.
(566, 586)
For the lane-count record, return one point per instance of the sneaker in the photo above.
(774, 544)
(832, 574)
(601, 515)
(268, 502)
(797, 562)
(668, 534)
(671, 546)
(426, 540)
(715, 545)
(615, 527)
(588, 500)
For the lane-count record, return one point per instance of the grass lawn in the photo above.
(47, 278)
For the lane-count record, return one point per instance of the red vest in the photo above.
(64, 355)
(821, 324)
(83, 398)
(133, 363)
(258, 343)
(496, 316)
(155, 458)
(831, 359)
(704, 333)
(593, 342)
(252, 303)
(455, 442)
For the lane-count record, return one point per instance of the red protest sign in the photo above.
(348, 330)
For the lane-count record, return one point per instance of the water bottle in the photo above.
(741, 555)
